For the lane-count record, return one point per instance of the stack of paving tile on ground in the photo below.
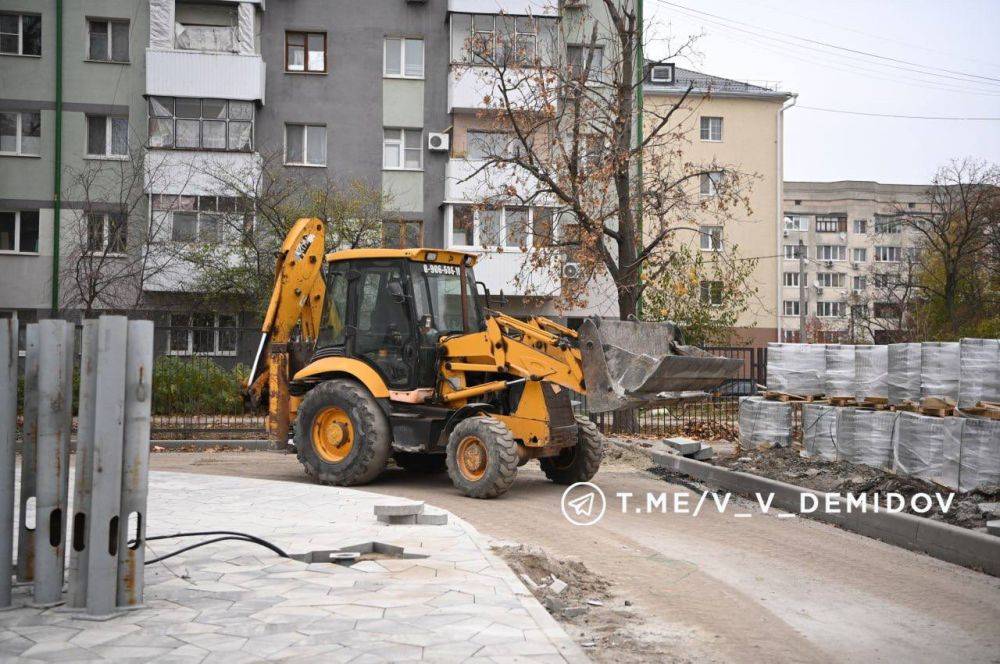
(796, 368)
(819, 431)
(764, 423)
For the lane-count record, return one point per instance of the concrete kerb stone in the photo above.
(400, 509)
(944, 541)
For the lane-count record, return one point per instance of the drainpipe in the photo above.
(779, 250)
(639, 104)
(57, 174)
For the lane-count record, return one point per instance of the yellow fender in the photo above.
(356, 369)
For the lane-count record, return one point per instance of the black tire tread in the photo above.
(587, 456)
(502, 449)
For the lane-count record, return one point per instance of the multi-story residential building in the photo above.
(857, 258)
(738, 126)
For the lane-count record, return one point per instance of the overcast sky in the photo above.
(962, 36)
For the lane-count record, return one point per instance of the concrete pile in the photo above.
(764, 423)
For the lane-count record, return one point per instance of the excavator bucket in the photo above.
(628, 364)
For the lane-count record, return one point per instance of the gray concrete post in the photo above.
(55, 403)
(135, 462)
(83, 480)
(8, 426)
(29, 439)
(105, 499)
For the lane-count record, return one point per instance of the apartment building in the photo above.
(856, 258)
(738, 126)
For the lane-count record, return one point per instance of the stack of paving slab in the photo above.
(764, 424)
(403, 514)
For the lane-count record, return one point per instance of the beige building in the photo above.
(738, 126)
(857, 259)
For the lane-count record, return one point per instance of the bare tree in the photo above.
(565, 123)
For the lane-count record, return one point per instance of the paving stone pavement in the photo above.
(236, 602)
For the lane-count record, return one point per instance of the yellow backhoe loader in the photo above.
(379, 352)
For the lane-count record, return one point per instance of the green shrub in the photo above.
(196, 386)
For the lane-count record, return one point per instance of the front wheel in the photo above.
(482, 457)
(580, 462)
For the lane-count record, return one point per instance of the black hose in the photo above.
(227, 535)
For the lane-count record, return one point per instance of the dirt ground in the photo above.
(969, 510)
(710, 588)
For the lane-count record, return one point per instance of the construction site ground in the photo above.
(713, 588)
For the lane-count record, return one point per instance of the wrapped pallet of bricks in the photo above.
(839, 379)
(819, 431)
(980, 365)
(904, 373)
(871, 433)
(940, 368)
(919, 442)
(975, 462)
(871, 371)
(764, 424)
(795, 368)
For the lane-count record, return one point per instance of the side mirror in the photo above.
(396, 292)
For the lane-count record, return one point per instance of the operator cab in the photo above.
(390, 309)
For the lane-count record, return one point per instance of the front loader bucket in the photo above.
(628, 364)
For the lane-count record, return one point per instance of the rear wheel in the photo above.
(419, 462)
(482, 457)
(342, 437)
(580, 462)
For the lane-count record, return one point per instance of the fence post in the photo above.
(8, 427)
(83, 482)
(29, 439)
(55, 412)
(135, 464)
(105, 497)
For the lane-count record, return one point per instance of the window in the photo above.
(831, 252)
(404, 58)
(711, 293)
(21, 133)
(488, 144)
(305, 145)
(829, 309)
(402, 149)
(200, 124)
(859, 254)
(305, 52)
(796, 222)
(790, 279)
(204, 218)
(861, 226)
(886, 310)
(859, 311)
(881, 280)
(661, 73)
(831, 223)
(20, 34)
(790, 336)
(886, 224)
(711, 237)
(512, 227)
(831, 279)
(107, 40)
(888, 254)
(503, 38)
(859, 284)
(19, 231)
(106, 232)
(790, 307)
(710, 183)
(203, 334)
(576, 58)
(402, 234)
(462, 226)
(792, 251)
(107, 136)
(711, 129)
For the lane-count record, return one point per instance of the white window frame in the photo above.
(886, 224)
(863, 223)
(790, 251)
(790, 307)
(831, 279)
(402, 58)
(829, 309)
(477, 244)
(667, 80)
(707, 124)
(790, 279)
(16, 251)
(110, 35)
(710, 301)
(189, 331)
(400, 144)
(713, 180)
(796, 222)
(20, 35)
(708, 234)
(888, 254)
(107, 154)
(105, 234)
(305, 145)
(859, 255)
(841, 252)
(859, 283)
(19, 135)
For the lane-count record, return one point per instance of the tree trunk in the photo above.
(626, 421)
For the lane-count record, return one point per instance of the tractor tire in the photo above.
(420, 463)
(482, 457)
(342, 436)
(580, 462)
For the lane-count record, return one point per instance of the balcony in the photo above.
(199, 172)
(462, 184)
(469, 87)
(219, 75)
(500, 270)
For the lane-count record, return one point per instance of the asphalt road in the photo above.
(717, 587)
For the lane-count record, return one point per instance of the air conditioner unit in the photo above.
(437, 142)
(843, 236)
(829, 263)
(571, 271)
(819, 289)
(855, 266)
(785, 232)
(662, 73)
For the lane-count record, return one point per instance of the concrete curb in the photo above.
(953, 544)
